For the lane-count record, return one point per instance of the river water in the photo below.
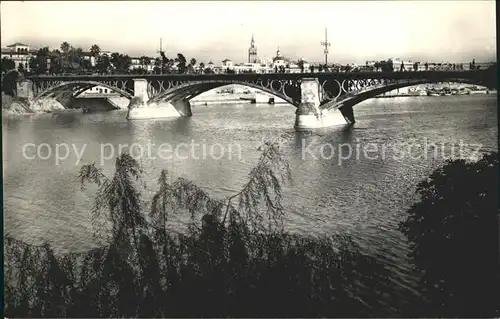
(364, 195)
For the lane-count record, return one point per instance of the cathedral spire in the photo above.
(252, 51)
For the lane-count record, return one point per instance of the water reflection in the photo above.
(69, 120)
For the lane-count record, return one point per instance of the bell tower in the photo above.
(252, 52)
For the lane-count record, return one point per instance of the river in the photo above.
(361, 196)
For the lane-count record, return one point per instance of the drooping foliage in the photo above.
(234, 260)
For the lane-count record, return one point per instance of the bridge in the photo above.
(321, 99)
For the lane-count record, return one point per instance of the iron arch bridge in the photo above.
(166, 90)
(55, 87)
(335, 90)
(351, 92)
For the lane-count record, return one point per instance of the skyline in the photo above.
(358, 31)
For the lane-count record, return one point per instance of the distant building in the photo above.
(293, 67)
(397, 63)
(139, 63)
(98, 91)
(89, 57)
(266, 61)
(218, 70)
(279, 60)
(18, 52)
(251, 68)
(19, 48)
(371, 63)
(135, 63)
(227, 64)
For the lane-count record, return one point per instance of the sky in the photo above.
(441, 31)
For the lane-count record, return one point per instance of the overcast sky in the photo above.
(358, 31)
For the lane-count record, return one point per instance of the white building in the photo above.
(251, 67)
(98, 91)
(397, 63)
(307, 65)
(89, 57)
(228, 64)
(279, 61)
(18, 52)
(135, 63)
(138, 63)
(266, 61)
(293, 67)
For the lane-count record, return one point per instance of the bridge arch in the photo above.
(289, 91)
(55, 88)
(351, 98)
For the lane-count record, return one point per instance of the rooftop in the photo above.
(11, 52)
(280, 58)
(17, 44)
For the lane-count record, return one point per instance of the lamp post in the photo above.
(326, 44)
(161, 40)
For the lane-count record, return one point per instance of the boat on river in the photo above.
(433, 92)
(446, 92)
(479, 92)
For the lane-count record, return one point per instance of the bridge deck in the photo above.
(274, 76)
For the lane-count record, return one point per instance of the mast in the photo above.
(161, 50)
(326, 44)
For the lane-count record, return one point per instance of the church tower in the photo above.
(252, 52)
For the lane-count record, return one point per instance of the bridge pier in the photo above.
(140, 109)
(309, 115)
(348, 113)
(183, 106)
(24, 89)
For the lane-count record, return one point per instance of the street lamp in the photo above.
(326, 44)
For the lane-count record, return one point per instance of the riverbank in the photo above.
(395, 95)
(493, 92)
(232, 100)
(236, 94)
(12, 106)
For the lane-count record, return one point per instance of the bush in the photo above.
(9, 83)
(453, 231)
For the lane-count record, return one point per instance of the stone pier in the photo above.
(24, 89)
(140, 109)
(309, 115)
